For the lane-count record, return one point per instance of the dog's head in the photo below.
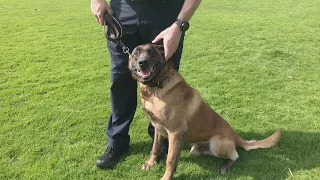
(147, 63)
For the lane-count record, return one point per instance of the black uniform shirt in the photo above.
(157, 14)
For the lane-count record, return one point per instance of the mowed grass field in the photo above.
(257, 63)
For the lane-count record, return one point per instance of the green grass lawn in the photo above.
(257, 63)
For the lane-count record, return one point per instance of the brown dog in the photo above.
(178, 112)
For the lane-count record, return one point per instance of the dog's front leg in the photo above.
(175, 143)
(157, 143)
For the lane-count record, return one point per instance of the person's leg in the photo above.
(123, 98)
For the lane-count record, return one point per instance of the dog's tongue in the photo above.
(145, 73)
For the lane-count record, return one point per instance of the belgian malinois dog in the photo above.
(178, 113)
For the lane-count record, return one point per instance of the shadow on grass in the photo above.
(296, 151)
(142, 147)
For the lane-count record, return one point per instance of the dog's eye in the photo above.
(150, 51)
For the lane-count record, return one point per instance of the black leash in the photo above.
(114, 32)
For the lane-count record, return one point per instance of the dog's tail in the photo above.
(264, 143)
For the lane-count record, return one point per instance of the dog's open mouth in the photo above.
(146, 73)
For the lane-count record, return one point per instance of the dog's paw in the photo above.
(168, 175)
(165, 178)
(225, 169)
(147, 165)
(194, 151)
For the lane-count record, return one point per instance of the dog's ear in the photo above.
(130, 62)
(131, 66)
(160, 48)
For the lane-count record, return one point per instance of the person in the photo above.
(143, 21)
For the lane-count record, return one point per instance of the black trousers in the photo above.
(123, 91)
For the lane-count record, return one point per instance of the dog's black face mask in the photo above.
(146, 62)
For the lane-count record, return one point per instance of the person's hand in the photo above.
(98, 8)
(171, 38)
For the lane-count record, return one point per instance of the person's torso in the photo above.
(158, 13)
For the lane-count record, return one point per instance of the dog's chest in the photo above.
(156, 109)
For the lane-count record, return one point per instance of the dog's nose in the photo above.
(143, 63)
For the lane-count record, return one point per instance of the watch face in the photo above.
(184, 26)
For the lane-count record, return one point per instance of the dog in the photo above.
(178, 112)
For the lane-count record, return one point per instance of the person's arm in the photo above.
(188, 9)
(171, 36)
(98, 8)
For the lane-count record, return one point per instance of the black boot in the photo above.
(110, 157)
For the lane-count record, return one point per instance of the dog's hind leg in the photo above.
(194, 150)
(224, 148)
(200, 148)
(226, 166)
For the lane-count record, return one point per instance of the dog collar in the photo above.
(158, 84)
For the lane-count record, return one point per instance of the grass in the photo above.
(255, 62)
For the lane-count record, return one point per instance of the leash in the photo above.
(114, 32)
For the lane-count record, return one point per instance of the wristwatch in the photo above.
(184, 26)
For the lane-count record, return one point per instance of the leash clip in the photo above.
(125, 49)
